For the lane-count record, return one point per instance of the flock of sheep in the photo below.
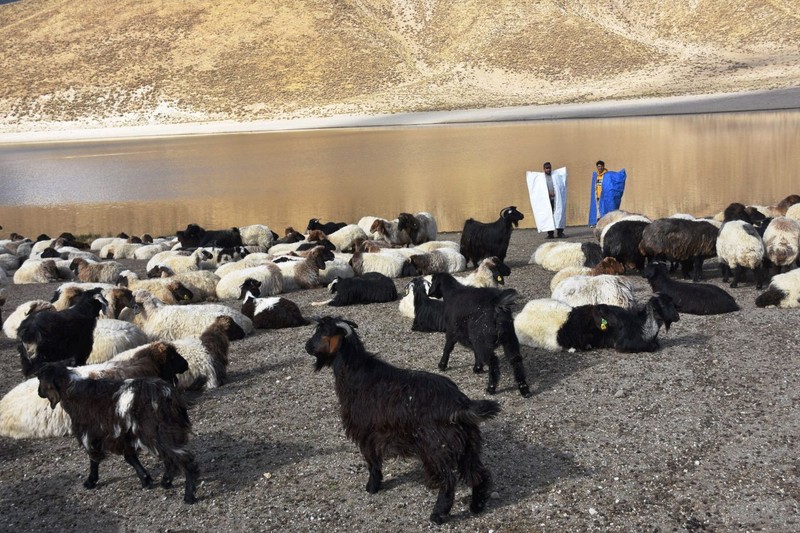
(131, 345)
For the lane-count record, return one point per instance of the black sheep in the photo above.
(327, 228)
(621, 241)
(123, 417)
(428, 312)
(195, 237)
(692, 298)
(372, 287)
(390, 411)
(480, 240)
(480, 319)
(51, 336)
(636, 330)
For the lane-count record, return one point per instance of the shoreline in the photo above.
(749, 101)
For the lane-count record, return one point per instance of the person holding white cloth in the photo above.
(549, 211)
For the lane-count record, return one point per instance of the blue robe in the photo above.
(610, 196)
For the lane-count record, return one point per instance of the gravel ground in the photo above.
(698, 436)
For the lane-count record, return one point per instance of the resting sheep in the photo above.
(195, 237)
(372, 287)
(124, 417)
(268, 274)
(555, 256)
(305, 274)
(783, 291)
(389, 411)
(104, 272)
(37, 271)
(692, 298)
(269, 313)
(603, 289)
(480, 240)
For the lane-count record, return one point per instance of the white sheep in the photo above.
(170, 322)
(388, 262)
(269, 274)
(202, 283)
(538, 323)
(435, 245)
(793, 212)
(739, 247)
(442, 260)
(781, 242)
(9, 262)
(112, 337)
(345, 237)
(39, 246)
(148, 251)
(568, 272)
(257, 235)
(365, 223)
(179, 262)
(594, 290)
(249, 261)
(101, 242)
(91, 272)
(168, 290)
(37, 271)
(23, 311)
(339, 267)
(119, 250)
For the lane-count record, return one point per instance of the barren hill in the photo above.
(93, 63)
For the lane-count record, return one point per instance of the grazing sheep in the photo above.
(692, 298)
(345, 238)
(389, 411)
(783, 291)
(304, 274)
(480, 239)
(781, 242)
(105, 272)
(269, 275)
(739, 247)
(170, 322)
(688, 242)
(621, 240)
(123, 417)
(23, 414)
(269, 313)
(327, 228)
(480, 319)
(594, 290)
(369, 288)
(112, 337)
(37, 271)
(557, 256)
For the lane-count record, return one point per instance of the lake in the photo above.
(693, 164)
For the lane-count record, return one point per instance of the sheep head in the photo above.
(180, 292)
(53, 380)
(328, 338)
(250, 286)
(664, 309)
(314, 223)
(168, 361)
(654, 270)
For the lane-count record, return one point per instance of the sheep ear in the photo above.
(333, 343)
(49, 389)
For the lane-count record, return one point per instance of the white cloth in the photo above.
(548, 218)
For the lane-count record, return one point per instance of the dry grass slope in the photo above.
(167, 61)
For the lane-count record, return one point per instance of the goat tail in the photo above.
(477, 412)
(507, 298)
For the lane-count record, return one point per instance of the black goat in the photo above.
(480, 319)
(122, 417)
(51, 336)
(269, 313)
(372, 287)
(195, 237)
(390, 411)
(428, 312)
(692, 298)
(621, 241)
(327, 228)
(480, 240)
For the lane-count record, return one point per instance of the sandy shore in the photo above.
(781, 99)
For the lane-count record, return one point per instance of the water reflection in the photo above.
(693, 164)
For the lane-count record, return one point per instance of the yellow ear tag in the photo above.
(499, 278)
(603, 324)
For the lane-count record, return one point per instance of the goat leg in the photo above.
(144, 476)
(94, 474)
(725, 270)
(737, 275)
(494, 373)
(697, 271)
(444, 502)
(449, 344)
(374, 464)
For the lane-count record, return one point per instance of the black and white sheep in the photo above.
(635, 330)
(740, 248)
(688, 242)
(23, 311)
(555, 256)
(50, 336)
(621, 239)
(123, 418)
(692, 298)
(393, 231)
(781, 243)
(783, 291)
(346, 238)
(269, 313)
(372, 287)
(480, 239)
(480, 319)
(389, 411)
(23, 414)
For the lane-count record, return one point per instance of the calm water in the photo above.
(692, 164)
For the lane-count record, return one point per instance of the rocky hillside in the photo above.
(94, 63)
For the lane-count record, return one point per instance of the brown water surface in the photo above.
(693, 164)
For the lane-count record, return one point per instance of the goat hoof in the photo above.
(437, 519)
(373, 486)
(491, 389)
(442, 366)
(90, 483)
(166, 482)
(477, 369)
(190, 499)
(147, 483)
(525, 390)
